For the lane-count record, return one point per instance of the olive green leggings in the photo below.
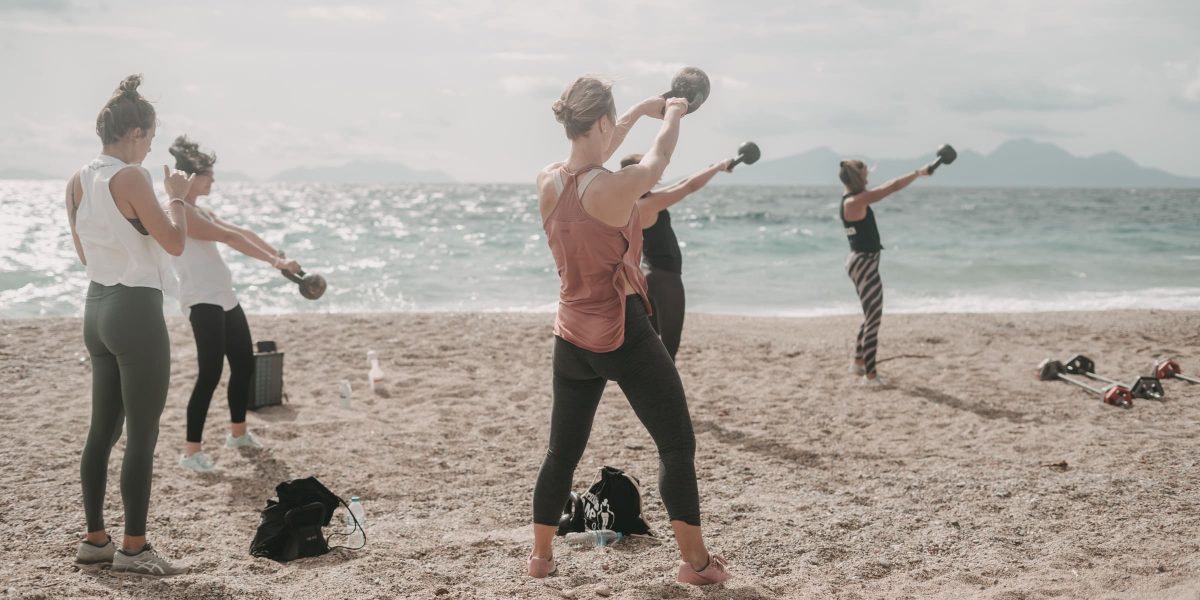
(126, 335)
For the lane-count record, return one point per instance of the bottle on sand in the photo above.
(597, 538)
(356, 538)
(375, 375)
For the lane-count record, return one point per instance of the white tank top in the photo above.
(204, 278)
(117, 253)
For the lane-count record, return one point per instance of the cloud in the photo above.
(526, 85)
(42, 6)
(1031, 129)
(1029, 96)
(117, 31)
(1184, 79)
(528, 56)
(336, 13)
(645, 67)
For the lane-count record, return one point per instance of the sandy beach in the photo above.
(965, 479)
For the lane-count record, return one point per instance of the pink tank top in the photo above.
(591, 255)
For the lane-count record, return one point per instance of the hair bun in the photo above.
(129, 86)
(562, 112)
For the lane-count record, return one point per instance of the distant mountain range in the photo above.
(1016, 163)
(362, 172)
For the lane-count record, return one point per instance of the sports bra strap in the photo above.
(587, 178)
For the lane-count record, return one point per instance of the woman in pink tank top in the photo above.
(602, 329)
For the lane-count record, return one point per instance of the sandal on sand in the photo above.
(540, 568)
(712, 574)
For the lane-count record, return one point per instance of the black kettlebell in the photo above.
(311, 286)
(690, 83)
(945, 156)
(747, 153)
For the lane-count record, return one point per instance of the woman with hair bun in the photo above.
(207, 298)
(862, 265)
(602, 330)
(120, 233)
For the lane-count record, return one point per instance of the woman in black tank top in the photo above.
(661, 259)
(863, 263)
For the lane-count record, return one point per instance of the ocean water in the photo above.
(747, 250)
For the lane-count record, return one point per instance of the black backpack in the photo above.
(613, 502)
(290, 527)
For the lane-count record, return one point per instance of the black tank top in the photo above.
(864, 234)
(660, 247)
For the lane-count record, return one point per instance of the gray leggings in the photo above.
(124, 331)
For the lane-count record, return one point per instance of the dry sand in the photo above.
(965, 479)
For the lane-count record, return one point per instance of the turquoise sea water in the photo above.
(747, 250)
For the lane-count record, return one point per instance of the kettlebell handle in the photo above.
(297, 277)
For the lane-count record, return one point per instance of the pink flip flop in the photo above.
(712, 574)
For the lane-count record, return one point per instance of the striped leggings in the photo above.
(863, 268)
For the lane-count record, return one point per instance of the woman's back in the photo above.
(117, 253)
(595, 261)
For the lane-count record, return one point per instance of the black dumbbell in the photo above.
(945, 156)
(1116, 395)
(747, 153)
(690, 83)
(1149, 388)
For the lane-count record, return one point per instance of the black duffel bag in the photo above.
(290, 526)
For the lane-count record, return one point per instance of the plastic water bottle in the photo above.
(344, 393)
(595, 538)
(375, 375)
(355, 537)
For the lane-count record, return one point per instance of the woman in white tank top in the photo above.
(207, 298)
(122, 235)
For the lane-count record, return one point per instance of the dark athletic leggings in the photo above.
(219, 334)
(126, 336)
(666, 296)
(643, 369)
(863, 268)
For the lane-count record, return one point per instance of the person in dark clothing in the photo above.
(862, 265)
(662, 260)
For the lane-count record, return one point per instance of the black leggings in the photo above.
(863, 268)
(219, 333)
(666, 296)
(643, 369)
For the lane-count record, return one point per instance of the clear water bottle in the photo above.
(344, 392)
(595, 538)
(356, 537)
(375, 375)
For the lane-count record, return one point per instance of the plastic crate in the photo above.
(267, 388)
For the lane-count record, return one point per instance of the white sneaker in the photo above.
(246, 440)
(198, 462)
(877, 382)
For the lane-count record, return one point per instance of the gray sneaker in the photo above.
(91, 555)
(147, 563)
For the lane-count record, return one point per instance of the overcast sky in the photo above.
(466, 87)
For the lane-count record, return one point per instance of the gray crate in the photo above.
(267, 389)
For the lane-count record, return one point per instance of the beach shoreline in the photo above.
(966, 478)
